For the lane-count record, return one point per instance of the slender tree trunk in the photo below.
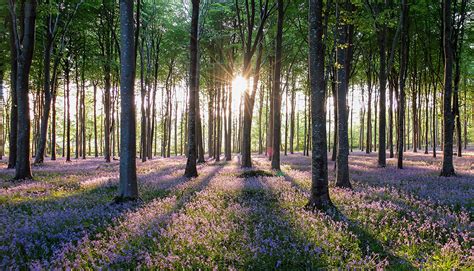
(382, 39)
(48, 46)
(191, 170)
(334, 98)
(390, 120)
(403, 73)
(228, 154)
(292, 117)
(342, 159)
(276, 90)
(448, 116)
(13, 137)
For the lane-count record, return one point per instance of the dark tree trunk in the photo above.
(144, 124)
(390, 120)
(342, 159)
(24, 50)
(382, 40)
(128, 188)
(14, 101)
(228, 153)
(335, 135)
(260, 124)
(48, 46)
(191, 170)
(53, 124)
(68, 114)
(403, 74)
(319, 197)
(292, 117)
(96, 150)
(276, 90)
(210, 123)
(448, 116)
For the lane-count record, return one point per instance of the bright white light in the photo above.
(239, 84)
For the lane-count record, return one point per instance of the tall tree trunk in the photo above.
(96, 150)
(292, 117)
(228, 153)
(390, 120)
(53, 122)
(143, 127)
(276, 90)
(48, 46)
(24, 49)
(210, 123)
(342, 159)
(128, 188)
(14, 100)
(191, 170)
(382, 40)
(334, 98)
(448, 116)
(319, 197)
(403, 74)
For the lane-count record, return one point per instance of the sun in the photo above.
(239, 84)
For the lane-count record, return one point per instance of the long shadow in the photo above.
(46, 177)
(284, 249)
(63, 220)
(366, 238)
(162, 220)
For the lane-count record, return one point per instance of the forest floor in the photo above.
(228, 218)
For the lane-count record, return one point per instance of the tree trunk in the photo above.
(390, 120)
(292, 117)
(448, 116)
(382, 40)
(319, 197)
(403, 73)
(128, 188)
(25, 49)
(276, 90)
(191, 170)
(14, 101)
(342, 159)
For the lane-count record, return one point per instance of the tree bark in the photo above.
(319, 197)
(24, 50)
(128, 188)
(276, 90)
(14, 101)
(382, 40)
(191, 170)
(403, 73)
(342, 159)
(448, 116)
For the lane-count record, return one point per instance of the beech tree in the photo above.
(191, 170)
(128, 175)
(24, 40)
(319, 197)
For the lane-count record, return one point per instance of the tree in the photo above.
(402, 77)
(276, 90)
(128, 175)
(319, 197)
(344, 31)
(191, 170)
(13, 136)
(24, 38)
(49, 83)
(249, 46)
